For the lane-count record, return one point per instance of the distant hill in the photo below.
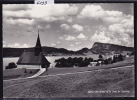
(47, 51)
(106, 48)
(97, 48)
(14, 52)
(58, 51)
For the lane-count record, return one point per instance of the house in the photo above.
(92, 64)
(34, 59)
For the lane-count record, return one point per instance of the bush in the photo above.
(120, 57)
(97, 64)
(11, 65)
(30, 72)
(70, 62)
(117, 58)
(132, 53)
(100, 56)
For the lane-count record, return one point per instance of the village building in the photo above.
(92, 64)
(34, 59)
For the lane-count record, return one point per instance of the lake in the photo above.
(51, 59)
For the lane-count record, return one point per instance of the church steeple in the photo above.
(38, 47)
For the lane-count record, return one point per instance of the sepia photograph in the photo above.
(68, 50)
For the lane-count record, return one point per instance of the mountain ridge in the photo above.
(97, 48)
(109, 48)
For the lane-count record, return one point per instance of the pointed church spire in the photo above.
(38, 47)
(38, 44)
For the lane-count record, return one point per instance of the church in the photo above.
(34, 59)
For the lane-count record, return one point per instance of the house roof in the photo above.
(29, 58)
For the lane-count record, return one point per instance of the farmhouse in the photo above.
(92, 64)
(33, 60)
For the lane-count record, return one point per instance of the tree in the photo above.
(120, 57)
(106, 61)
(25, 70)
(109, 60)
(132, 53)
(97, 64)
(90, 59)
(114, 59)
(100, 57)
(11, 65)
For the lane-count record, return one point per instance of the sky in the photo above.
(70, 26)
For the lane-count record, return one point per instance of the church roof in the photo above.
(29, 58)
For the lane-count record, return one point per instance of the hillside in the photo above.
(74, 85)
(109, 48)
(77, 84)
(47, 51)
(97, 48)
(106, 48)
(18, 73)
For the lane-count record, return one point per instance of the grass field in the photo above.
(114, 82)
(18, 73)
(76, 85)
(127, 62)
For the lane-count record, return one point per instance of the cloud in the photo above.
(81, 36)
(77, 42)
(112, 19)
(69, 20)
(28, 14)
(101, 24)
(125, 26)
(17, 45)
(48, 26)
(72, 45)
(61, 38)
(25, 45)
(117, 28)
(116, 35)
(100, 37)
(98, 13)
(53, 19)
(77, 27)
(114, 13)
(69, 38)
(58, 42)
(4, 42)
(36, 11)
(19, 21)
(15, 7)
(17, 14)
(65, 26)
(92, 11)
(53, 44)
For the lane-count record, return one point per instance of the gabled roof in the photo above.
(29, 58)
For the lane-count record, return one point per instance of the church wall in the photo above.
(29, 66)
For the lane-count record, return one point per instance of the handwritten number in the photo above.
(42, 2)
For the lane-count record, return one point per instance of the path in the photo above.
(42, 70)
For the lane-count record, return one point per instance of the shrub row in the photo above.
(84, 62)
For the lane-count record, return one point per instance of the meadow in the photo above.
(18, 73)
(115, 80)
(75, 85)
